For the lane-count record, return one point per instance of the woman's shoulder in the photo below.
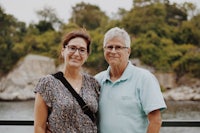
(89, 77)
(46, 78)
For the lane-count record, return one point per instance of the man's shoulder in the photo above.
(140, 69)
(101, 75)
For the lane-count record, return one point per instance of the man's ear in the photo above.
(129, 51)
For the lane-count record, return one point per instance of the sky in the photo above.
(25, 10)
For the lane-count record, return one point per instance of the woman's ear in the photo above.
(62, 52)
(86, 57)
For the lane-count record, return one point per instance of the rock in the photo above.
(182, 93)
(186, 88)
(166, 80)
(137, 63)
(20, 82)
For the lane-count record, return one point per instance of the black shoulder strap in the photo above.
(81, 102)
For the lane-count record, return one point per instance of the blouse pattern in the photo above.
(66, 114)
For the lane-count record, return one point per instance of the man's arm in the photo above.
(155, 121)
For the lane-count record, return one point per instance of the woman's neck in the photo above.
(72, 73)
(74, 77)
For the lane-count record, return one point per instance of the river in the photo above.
(181, 110)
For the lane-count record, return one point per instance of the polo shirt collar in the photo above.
(124, 76)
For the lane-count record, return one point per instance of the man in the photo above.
(131, 99)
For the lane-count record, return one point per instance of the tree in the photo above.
(88, 16)
(44, 26)
(142, 3)
(188, 63)
(175, 15)
(189, 33)
(189, 8)
(11, 33)
(48, 20)
(142, 19)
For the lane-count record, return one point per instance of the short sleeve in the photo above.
(44, 88)
(151, 95)
(94, 84)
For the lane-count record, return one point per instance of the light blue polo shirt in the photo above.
(125, 103)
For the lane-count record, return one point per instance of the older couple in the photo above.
(130, 98)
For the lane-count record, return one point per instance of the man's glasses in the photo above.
(73, 49)
(116, 48)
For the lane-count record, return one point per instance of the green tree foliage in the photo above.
(196, 30)
(149, 48)
(44, 44)
(189, 63)
(188, 33)
(164, 36)
(44, 26)
(142, 19)
(96, 57)
(175, 15)
(48, 20)
(68, 27)
(11, 32)
(88, 16)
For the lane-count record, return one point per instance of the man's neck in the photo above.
(117, 71)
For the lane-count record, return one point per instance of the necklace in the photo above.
(77, 90)
(76, 84)
(75, 81)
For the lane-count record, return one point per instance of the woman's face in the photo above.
(75, 52)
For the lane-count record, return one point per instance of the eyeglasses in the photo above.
(116, 48)
(73, 49)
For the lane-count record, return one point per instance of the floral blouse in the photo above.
(66, 114)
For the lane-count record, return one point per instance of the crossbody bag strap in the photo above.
(81, 102)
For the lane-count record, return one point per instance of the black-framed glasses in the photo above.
(73, 49)
(117, 48)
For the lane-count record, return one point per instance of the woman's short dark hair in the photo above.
(78, 33)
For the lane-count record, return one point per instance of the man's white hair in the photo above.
(119, 33)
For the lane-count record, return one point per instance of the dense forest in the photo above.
(164, 36)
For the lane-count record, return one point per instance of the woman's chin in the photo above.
(75, 64)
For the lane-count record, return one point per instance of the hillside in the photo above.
(20, 82)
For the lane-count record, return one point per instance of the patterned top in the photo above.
(66, 115)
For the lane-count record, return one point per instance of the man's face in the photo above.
(116, 53)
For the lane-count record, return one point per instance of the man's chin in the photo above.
(114, 62)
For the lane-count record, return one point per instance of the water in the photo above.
(187, 110)
(16, 111)
(181, 110)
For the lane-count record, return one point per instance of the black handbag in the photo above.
(81, 102)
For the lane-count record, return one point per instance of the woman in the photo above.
(55, 106)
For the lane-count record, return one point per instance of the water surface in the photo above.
(181, 110)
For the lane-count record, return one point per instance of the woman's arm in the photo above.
(155, 121)
(40, 114)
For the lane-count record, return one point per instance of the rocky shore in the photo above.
(20, 82)
(183, 93)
